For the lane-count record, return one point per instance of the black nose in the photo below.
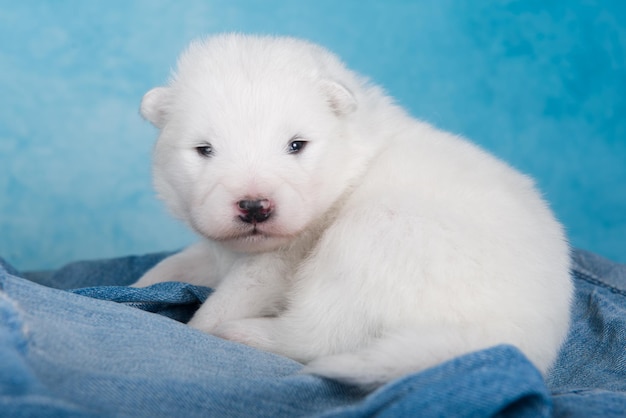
(254, 211)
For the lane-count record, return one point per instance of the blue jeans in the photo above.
(109, 350)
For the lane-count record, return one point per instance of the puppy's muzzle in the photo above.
(255, 211)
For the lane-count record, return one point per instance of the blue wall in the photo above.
(541, 84)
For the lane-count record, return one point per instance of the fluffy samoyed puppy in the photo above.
(339, 231)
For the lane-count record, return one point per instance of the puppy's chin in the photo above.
(255, 243)
(247, 239)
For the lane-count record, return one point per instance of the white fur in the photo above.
(392, 246)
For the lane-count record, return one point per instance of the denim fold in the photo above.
(78, 342)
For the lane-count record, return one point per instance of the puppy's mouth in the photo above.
(247, 237)
(253, 231)
(254, 239)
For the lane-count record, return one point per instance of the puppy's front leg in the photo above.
(255, 286)
(275, 335)
(255, 332)
(201, 264)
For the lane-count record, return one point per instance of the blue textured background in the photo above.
(541, 84)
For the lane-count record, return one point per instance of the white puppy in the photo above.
(339, 231)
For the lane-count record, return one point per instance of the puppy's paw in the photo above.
(253, 332)
(331, 366)
(347, 368)
(204, 323)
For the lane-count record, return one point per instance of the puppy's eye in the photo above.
(296, 145)
(204, 150)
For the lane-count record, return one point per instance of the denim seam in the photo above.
(589, 277)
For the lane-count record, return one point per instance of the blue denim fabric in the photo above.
(90, 352)
(589, 378)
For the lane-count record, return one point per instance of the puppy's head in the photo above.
(255, 142)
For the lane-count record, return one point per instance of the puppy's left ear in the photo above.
(155, 106)
(340, 98)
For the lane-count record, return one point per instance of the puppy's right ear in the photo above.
(340, 98)
(155, 106)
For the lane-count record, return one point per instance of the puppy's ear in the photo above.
(154, 106)
(340, 98)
